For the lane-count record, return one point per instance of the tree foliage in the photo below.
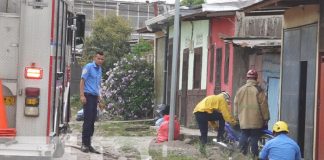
(142, 48)
(111, 35)
(192, 3)
(128, 90)
(127, 87)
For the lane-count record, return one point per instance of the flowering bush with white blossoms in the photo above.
(128, 90)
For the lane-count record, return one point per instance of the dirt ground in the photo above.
(135, 146)
(134, 141)
(181, 149)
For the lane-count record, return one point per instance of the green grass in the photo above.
(75, 104)
(136, 129)
(76, 127)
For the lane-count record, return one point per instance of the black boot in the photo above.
(92, 150)
(220, 138)
(85, 148)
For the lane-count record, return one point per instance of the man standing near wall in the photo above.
(252, 112)
(89, 95)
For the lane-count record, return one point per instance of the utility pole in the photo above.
(156, 8)
(93, 10)
(117, 8)
(174, 70)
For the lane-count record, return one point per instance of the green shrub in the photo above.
(128, 90)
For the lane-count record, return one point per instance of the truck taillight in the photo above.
(33, 73)
(32, 101)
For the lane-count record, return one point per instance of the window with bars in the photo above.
(226, 68)
(218, 70)
(197, 67)
(211, 64)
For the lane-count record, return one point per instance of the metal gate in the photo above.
(298, 85)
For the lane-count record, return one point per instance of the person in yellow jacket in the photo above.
(213, 108)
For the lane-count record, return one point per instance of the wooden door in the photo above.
(273, 97)
(184, 87)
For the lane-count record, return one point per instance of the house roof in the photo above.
(218, 8)
(227, 5)
(143, 30)
(258, 43)
(157, 23)
(266, 7)
(254, 41)
(162, 18)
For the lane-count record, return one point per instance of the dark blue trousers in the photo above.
(202, 120)
(90, 115)
(253, 135)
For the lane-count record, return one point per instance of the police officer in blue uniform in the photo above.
(89, 95)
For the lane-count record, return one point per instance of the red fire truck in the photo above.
(37, 41)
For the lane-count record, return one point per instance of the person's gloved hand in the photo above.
(237, 127)
(265, 125)
(233, 123)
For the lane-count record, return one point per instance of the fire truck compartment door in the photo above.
(9, 38)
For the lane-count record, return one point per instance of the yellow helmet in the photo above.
(280, 126)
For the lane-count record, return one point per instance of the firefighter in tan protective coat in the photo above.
(252, 112)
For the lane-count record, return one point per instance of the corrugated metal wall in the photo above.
(298, 84)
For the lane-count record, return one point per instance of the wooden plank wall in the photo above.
(260, 26)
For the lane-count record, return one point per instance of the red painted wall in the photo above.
(220, 27)
(320, 112)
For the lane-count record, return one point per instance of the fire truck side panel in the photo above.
(35, 29)
(9, 38)
(38, 36)
(9, 32)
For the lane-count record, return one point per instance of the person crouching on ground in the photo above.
(213, 108)
(282, 147)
